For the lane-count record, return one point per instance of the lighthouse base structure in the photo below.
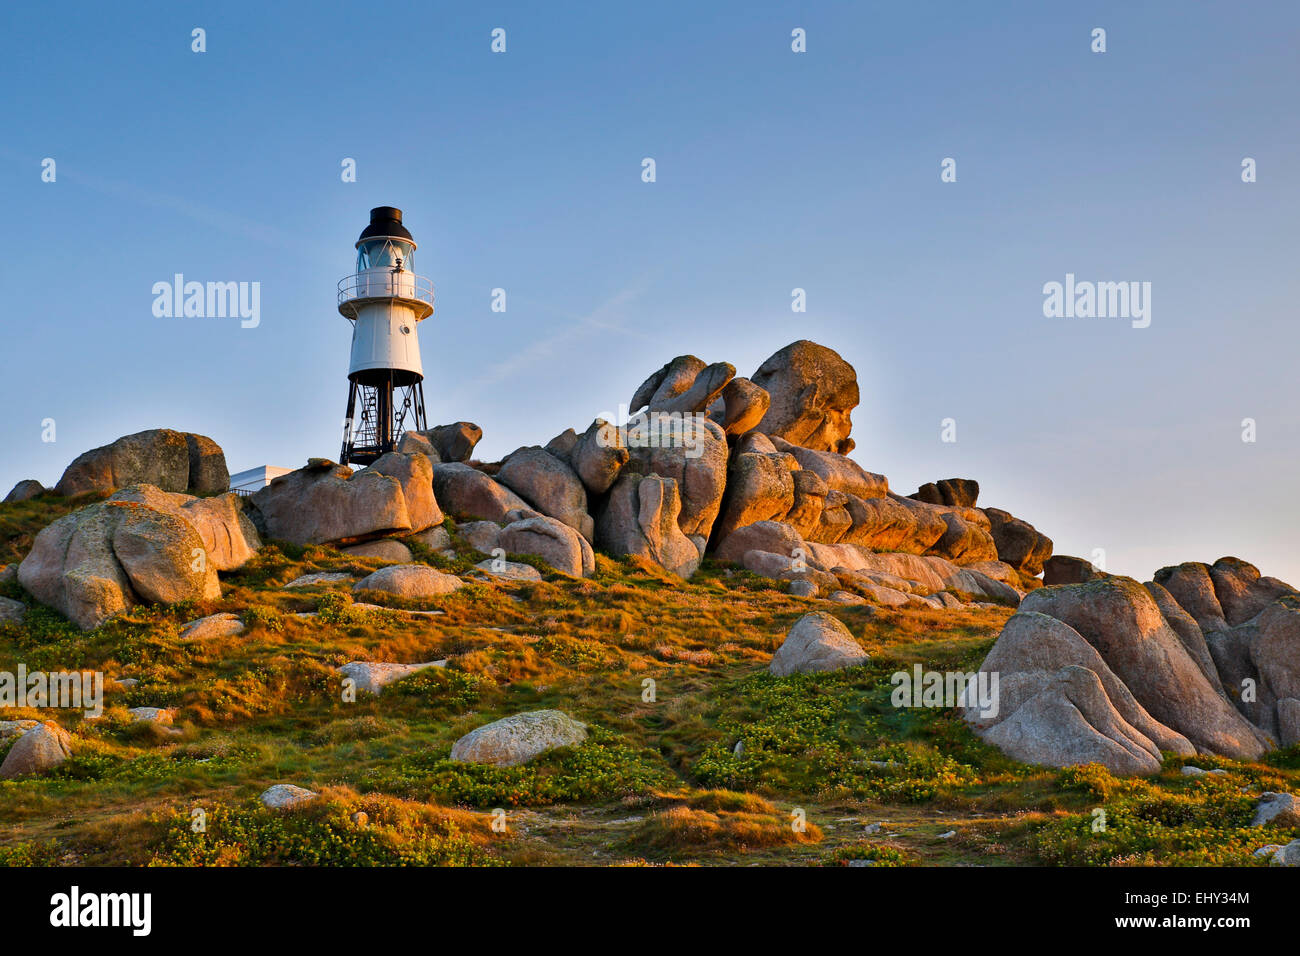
(379, 413)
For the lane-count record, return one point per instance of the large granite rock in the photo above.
(549, 485)
(813, 391)
(1058, 703)
(817, 642)
(468, 493)
(551, 540)
(519, 738)
(105, 558)
(1118, 617)
(641, 518)
(325, 503)
(39, 749)
(229, 536)
(171, 460)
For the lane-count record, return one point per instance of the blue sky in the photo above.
(775, 170)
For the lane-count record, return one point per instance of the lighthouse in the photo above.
(385, 301)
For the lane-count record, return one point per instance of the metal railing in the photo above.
(386, 284)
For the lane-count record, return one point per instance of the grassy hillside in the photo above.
(657, 782)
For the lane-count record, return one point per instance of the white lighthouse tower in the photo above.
(385, 301)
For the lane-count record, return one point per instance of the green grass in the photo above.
(658, 780)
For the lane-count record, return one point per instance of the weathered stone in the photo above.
(693, 452)
(286, 796)
(813, 391)
(641, 518)
(773, 536)
(325, 503)
(467, 492)
(160, 457)
(510, 570)
(549, 485)
(1064, 569)
(371, 677)
(38, 750)
(213, 626)
(1240, 590)
(669, 382)
(598, 456)
(207, 466)
(410, 581)
(553, 541)
(965, 541)
(839, 473)
(759, 488)
(1018, 543)
(230, 538)
(706, 386)
(519, 738)
(162, 716)
(415, 473)
(1121, 620)
(454, 442)
(817, 642)
(320, 578)
(1278, 808)
(105, 558)
(1191, 586)
(385, 549)
(11, 611)
(1188, 631)
(483, 536)
(1059, 703)
(26, 489)
(744, 404)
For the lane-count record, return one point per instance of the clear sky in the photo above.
(775, 170)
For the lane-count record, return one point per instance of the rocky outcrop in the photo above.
(1058, 703)
(817, 642)
(1018, 543)
(108, 557)
(39, 749)
(813, 392)
(519, 738)
(230, 538)
(953, 492)
(410, 581)
(551, 540)
(171, 460)
(641, 518)
(25, 490)
(325, 503)
(454, 442)
(468, 493)
(693, 452)
(1119, 618)
(549, 485)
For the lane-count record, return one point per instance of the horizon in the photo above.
(818, 171)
